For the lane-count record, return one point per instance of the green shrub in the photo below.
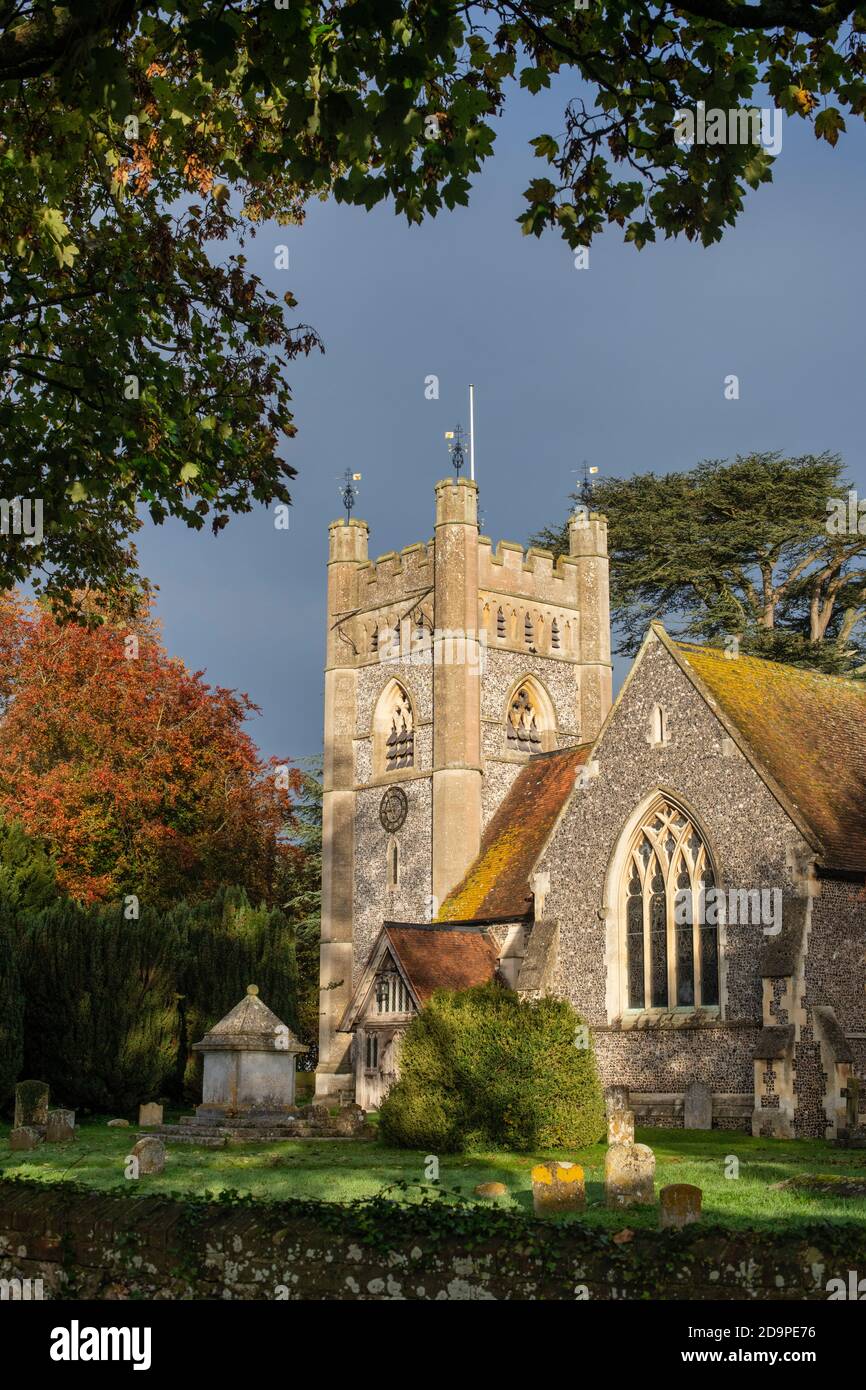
(113, 1004)
(100, 1003)
(483, 1069)
(11, 1010)
(27, 876)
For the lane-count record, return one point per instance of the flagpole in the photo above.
(472, 431)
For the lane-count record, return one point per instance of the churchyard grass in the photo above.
(340, 1170)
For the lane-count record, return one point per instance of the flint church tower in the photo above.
(448, 666)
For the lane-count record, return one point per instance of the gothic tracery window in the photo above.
(672, 958)
(400, 743)
(523, 734)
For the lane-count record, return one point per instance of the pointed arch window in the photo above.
(524, 733)
(501, 632)
(672, 957)
(400, 743)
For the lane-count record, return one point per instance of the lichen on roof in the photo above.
(496, 886)
(808, 731)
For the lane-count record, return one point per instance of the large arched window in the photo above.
(671, 942)
(394, 730)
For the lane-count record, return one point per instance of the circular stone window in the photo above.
(393, 809)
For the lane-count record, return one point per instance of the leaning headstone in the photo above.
(616, 1098)
(24, 1137)
(31, 1104)
(61, 1126)
(629, 1173)
(680, 1205)
(118, 1124)
(698, 1106)
(558, 1188)
(149, 1114)
(150, 1153)
(620, 1127)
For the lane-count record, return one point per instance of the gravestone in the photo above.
(629, 1175)
(620, 1127)
(698, 1106)
(149, 1114)
(679, 1205)
(558, 1188)
(31, 1104)
(61, 1126)
(616, 1098)
(150, 1153)
(118, 1124)
(24, 1137)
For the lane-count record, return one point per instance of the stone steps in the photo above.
(245, 1131)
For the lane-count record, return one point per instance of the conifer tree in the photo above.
(11, 1008)
(27, 873)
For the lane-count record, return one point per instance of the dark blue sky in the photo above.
(622, 364)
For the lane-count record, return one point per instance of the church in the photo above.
(686, 866)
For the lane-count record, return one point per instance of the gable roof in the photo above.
(443, 958)
(496, 886)
(804, 732)
(428, 957)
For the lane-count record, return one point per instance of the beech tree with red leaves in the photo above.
(138, 776)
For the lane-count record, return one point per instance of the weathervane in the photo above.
(349, 492)
(456, 448)
(586, 485)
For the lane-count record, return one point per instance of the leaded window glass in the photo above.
(672, 957)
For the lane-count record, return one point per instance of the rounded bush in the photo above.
(482, 1068)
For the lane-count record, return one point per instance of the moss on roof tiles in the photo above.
(808, 731)
(496, 887)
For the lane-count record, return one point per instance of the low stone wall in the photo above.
(84, 1244)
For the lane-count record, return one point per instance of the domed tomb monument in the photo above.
(249, 1062)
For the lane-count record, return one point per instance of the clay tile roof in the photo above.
(496, 887)
(444, 958)
(808, 731)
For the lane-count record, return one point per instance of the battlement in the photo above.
(506, 569)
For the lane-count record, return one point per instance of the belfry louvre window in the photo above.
(392, 996)
(523, 732)
(400, 744)
(672, 959)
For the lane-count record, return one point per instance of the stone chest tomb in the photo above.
(249, 1061)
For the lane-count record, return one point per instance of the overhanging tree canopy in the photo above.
(135, 137)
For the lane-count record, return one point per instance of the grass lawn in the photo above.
(339, 1170)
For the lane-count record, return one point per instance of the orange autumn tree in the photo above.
(137, 775)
